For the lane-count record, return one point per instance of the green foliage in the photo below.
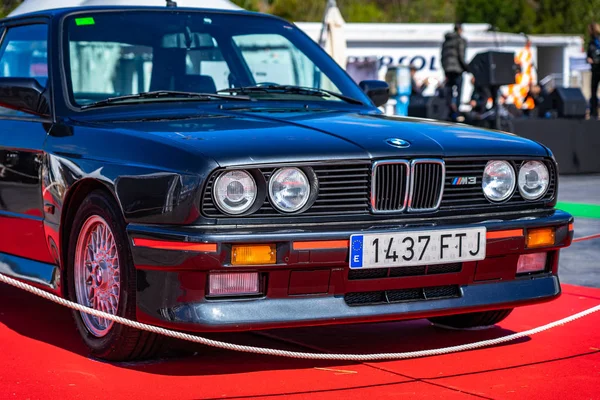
(250, 5)
(507, 16)
(532, 16)
(567, 16)
(298, 10)
(358, 10)
(7, 6)
(529, 16)
(418, 11)
(368, 12)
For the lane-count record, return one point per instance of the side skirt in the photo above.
(42, 275)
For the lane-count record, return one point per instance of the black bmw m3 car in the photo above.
(206, 170)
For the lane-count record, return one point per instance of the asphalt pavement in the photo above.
(580, 263)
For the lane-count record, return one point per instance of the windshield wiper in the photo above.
(290, 89)
(161, 94)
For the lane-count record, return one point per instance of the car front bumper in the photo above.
(310, 287)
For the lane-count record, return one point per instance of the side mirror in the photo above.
(378, 91)
(23, 94)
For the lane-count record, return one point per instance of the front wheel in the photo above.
(101, 276)
(472, 320)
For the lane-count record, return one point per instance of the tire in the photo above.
(472, 320)
(99, 217)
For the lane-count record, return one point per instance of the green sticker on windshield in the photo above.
(85, 21)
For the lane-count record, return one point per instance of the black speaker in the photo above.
(568, 103)
(493, 68)
(431, 107)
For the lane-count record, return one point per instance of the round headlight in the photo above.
(289, 189)
(235, 192)
(533, 180)
(498, 180)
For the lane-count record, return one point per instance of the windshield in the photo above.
(113, 54)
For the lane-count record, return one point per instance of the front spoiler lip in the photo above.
(310, 311)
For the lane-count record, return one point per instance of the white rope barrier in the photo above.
(292, 354)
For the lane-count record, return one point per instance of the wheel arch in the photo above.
(73, 199)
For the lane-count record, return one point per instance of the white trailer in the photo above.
(420, 44)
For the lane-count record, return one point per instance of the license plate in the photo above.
(404, 249)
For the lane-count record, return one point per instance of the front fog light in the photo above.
(233, 284)
(535, 262)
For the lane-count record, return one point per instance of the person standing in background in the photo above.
(454, 65)
(417, 88)
(593, 58)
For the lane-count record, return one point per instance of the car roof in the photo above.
(59, 12)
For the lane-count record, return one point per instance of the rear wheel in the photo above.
(101, 276)
(472, 320)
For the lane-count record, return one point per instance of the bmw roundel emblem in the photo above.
(395, 142)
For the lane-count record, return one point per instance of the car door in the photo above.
(23, 54)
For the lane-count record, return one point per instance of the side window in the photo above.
(24, 54)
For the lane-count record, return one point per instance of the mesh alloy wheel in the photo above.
(97, 273)
(100, 274)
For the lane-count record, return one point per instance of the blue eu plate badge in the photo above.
(411, 247)
(356, 251)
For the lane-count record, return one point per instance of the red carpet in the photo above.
(41, 357)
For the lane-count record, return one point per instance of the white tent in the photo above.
(219, 4)
(332, 38)
(37, 5)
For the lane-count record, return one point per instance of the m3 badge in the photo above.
(464, 180)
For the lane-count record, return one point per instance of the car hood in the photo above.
(259, 136)
(426, 137)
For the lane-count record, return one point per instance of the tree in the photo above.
(7, 6)
(507, 16)
(532, 16)
(566, 16)
(358, 10)
(528, 16)
(418, 11)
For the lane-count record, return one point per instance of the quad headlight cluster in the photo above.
(290, 190)
(293, 190)
(499, 180)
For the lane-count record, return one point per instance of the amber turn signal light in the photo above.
(540, 237)
(254, 254)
